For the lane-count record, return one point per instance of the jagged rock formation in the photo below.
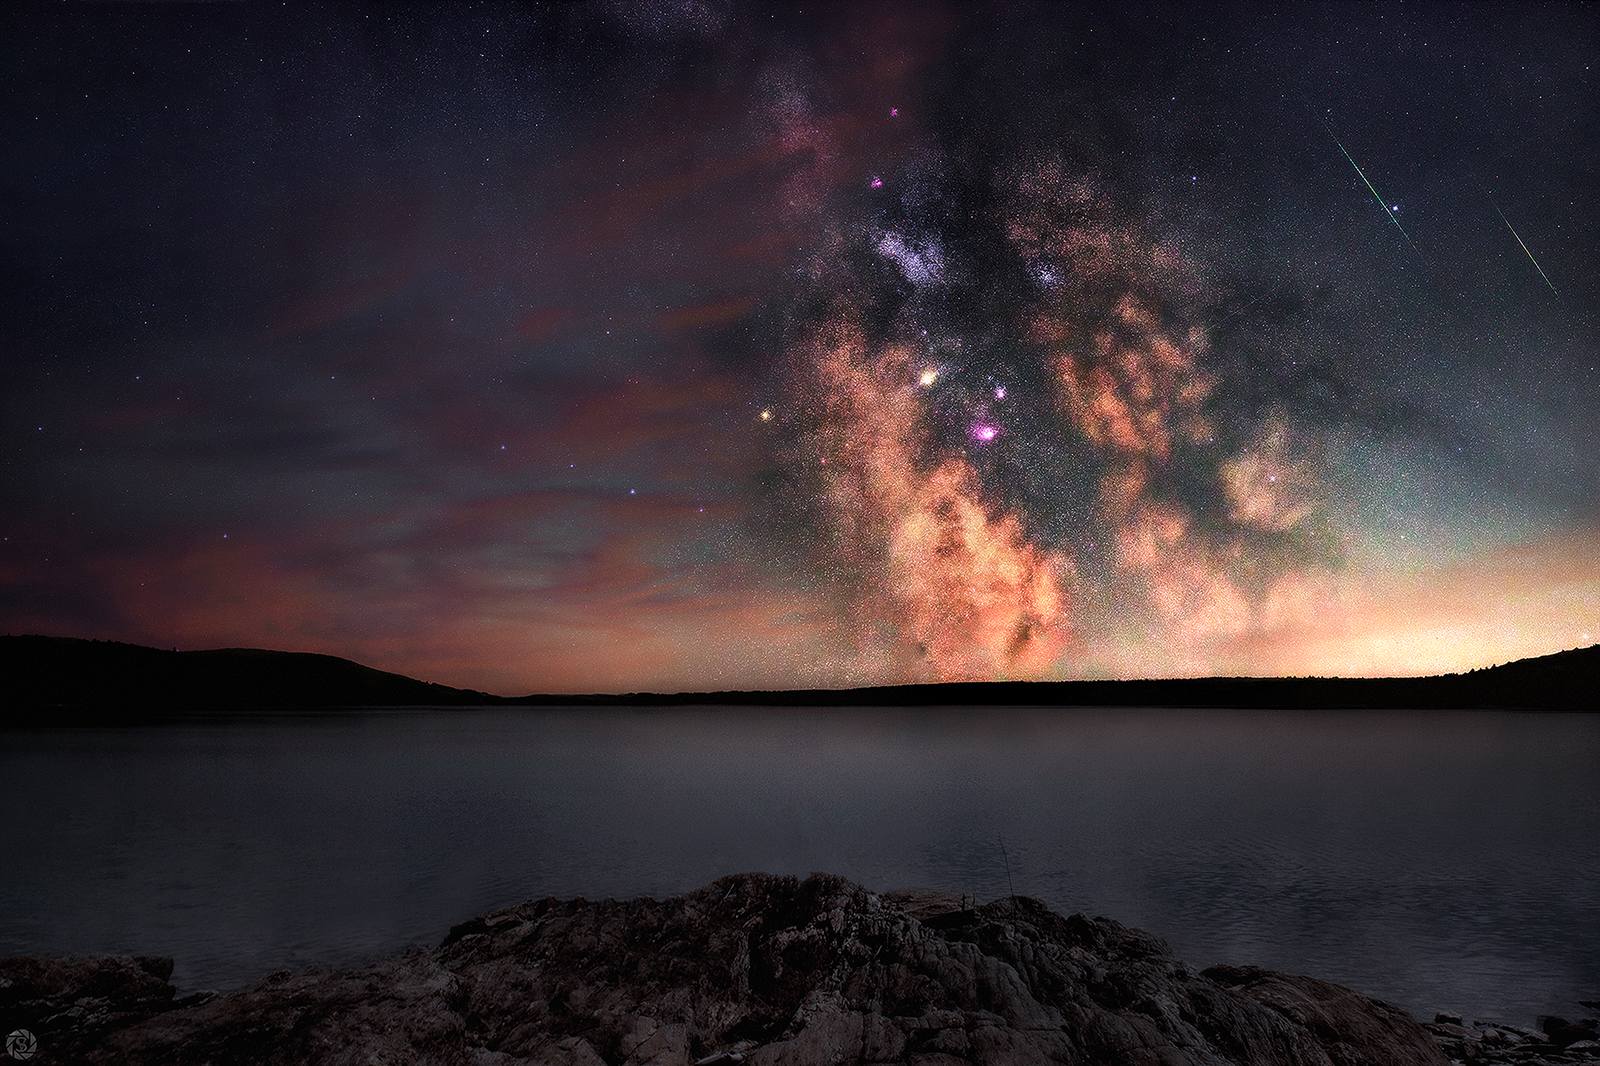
(1557, 1043)
(771, 971)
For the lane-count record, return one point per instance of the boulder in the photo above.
(125, 979)
(1557, 1043)
(757, 969)
(81, 997)
(1351, 1027)
(1562, 1033)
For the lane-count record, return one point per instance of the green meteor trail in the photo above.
(1381, 202)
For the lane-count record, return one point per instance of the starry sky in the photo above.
(692, 345)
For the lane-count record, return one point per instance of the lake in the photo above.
(1445, 860)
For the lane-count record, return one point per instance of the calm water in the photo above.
(1433, 860)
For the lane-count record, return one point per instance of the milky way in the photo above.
(995, 477)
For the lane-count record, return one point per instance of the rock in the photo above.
(1498, 1044)
(755, 969)
(401, 1011)
(68, 998)
(925, 903)
(1562, 1032)
(829, 1038)
(119, 978)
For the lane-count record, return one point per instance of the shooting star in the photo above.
(1381, 201)
(1531, 259)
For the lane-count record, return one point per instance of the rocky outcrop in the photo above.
(1557, 1042)
(770, 971)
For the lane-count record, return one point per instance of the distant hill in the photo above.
(59, 679)
(47, 678)
(1565, 681)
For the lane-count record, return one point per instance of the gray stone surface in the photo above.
(1557, 1042)
(772, 971)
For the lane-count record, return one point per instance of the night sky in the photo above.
(688, 345)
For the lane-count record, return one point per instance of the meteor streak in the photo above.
(1531, 259)
(1381, 201)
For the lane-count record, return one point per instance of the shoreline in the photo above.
(761, 969)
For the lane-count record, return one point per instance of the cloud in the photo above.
(1487, 607)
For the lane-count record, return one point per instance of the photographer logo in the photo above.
(20, 1044)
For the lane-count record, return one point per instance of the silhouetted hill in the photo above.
(55, 677)
(1563, 681)
(51, 679)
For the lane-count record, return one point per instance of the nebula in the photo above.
(1000, 488)
(967, 586)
